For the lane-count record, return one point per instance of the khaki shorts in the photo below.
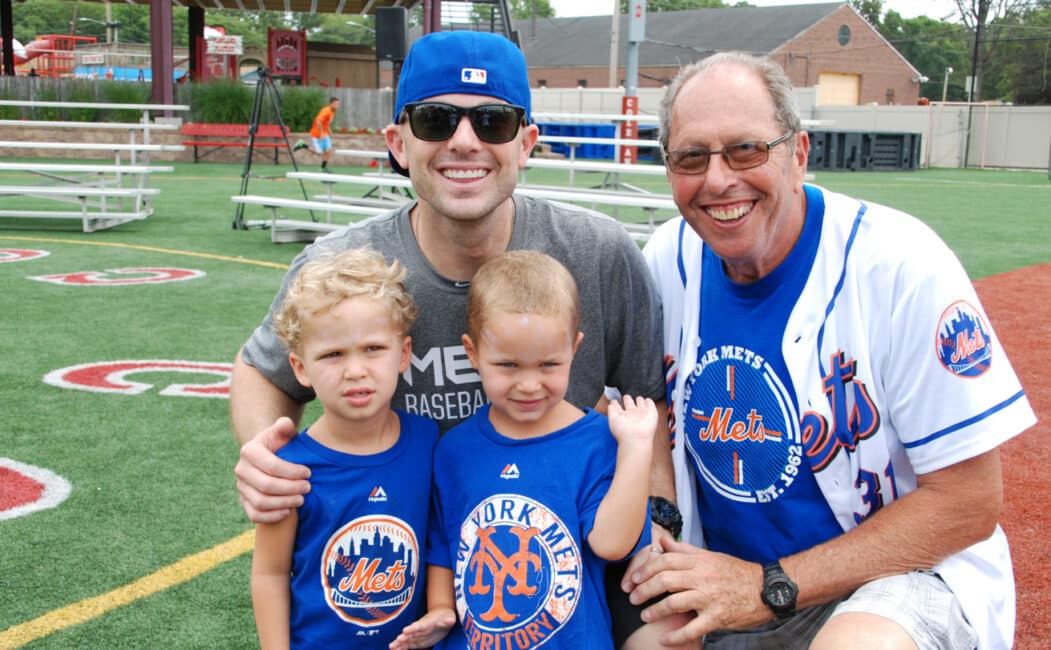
(919, 601)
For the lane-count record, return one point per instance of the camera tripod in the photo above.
(265, 86)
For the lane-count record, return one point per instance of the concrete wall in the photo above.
(1001, 136)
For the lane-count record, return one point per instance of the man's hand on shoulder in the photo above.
(270, 487)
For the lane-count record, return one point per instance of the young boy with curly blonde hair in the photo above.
(346, 566)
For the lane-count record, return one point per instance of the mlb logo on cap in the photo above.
(472, 76)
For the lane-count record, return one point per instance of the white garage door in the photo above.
(835, 89)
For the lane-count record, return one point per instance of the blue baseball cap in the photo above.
(472, 63)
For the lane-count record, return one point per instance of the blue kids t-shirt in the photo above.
(511, 520)
(358, 564)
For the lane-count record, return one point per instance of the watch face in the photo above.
(779, 594)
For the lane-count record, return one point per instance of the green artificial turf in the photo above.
(152, 475)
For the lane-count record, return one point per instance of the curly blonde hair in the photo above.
(327, 281)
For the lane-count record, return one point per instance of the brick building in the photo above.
(829, 46)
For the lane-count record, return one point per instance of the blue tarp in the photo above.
(119, 73)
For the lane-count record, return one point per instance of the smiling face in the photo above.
(351, 355)
(462, 178)
(524, 362)
(751, 218)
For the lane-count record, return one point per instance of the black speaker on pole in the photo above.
(392, 33)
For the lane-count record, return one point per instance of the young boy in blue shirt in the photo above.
(344, 569)
(532, 496)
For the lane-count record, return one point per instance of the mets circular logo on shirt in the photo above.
(741, 426)
(369, 569)
(518, 573)
(962, 342)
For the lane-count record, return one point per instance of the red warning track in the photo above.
(1017, 306)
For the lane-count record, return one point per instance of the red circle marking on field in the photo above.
(21, 254)
(17, 489)
(27, 488)
(121, 277)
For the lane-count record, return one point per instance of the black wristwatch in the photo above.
(779, 592)
(665, 514)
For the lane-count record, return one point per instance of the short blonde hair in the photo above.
(327, 281)
(522, 282)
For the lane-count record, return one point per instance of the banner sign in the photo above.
(287, 54)
(629, 129)
(226, 45)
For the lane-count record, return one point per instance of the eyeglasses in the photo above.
(743, 155)
(437, 121)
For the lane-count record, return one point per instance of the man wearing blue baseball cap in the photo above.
(462, 130)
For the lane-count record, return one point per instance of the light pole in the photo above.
(115, 26)
(945, 84)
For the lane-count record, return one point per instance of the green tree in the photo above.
(1020, 72)
(38, 17)
(523, 9)
(34, 18)
(977, 16)
(675, 5)
(252, 26)
(931, 46)
(352, 30)
(870, 10)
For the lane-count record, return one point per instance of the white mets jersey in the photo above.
(890, 369)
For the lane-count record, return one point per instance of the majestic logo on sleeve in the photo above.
(518, 574)
(962, 342)
(369, 569)
(741, 425)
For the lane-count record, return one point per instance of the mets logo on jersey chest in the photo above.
(369, 569)
(518, 573)
(741, 425)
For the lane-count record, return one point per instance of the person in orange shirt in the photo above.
(321, 133)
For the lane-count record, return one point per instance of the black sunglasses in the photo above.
(743, 155)
(437, 121)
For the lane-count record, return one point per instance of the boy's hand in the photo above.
(633, 420)
(427, 631)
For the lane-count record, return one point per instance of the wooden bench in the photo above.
(95, 208)
(290, 230)
(217, 136)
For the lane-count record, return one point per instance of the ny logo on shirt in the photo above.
(516, 567)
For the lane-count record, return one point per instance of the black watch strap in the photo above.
(664, 513)
(779, 592)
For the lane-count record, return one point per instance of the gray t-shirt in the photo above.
(620, 311)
